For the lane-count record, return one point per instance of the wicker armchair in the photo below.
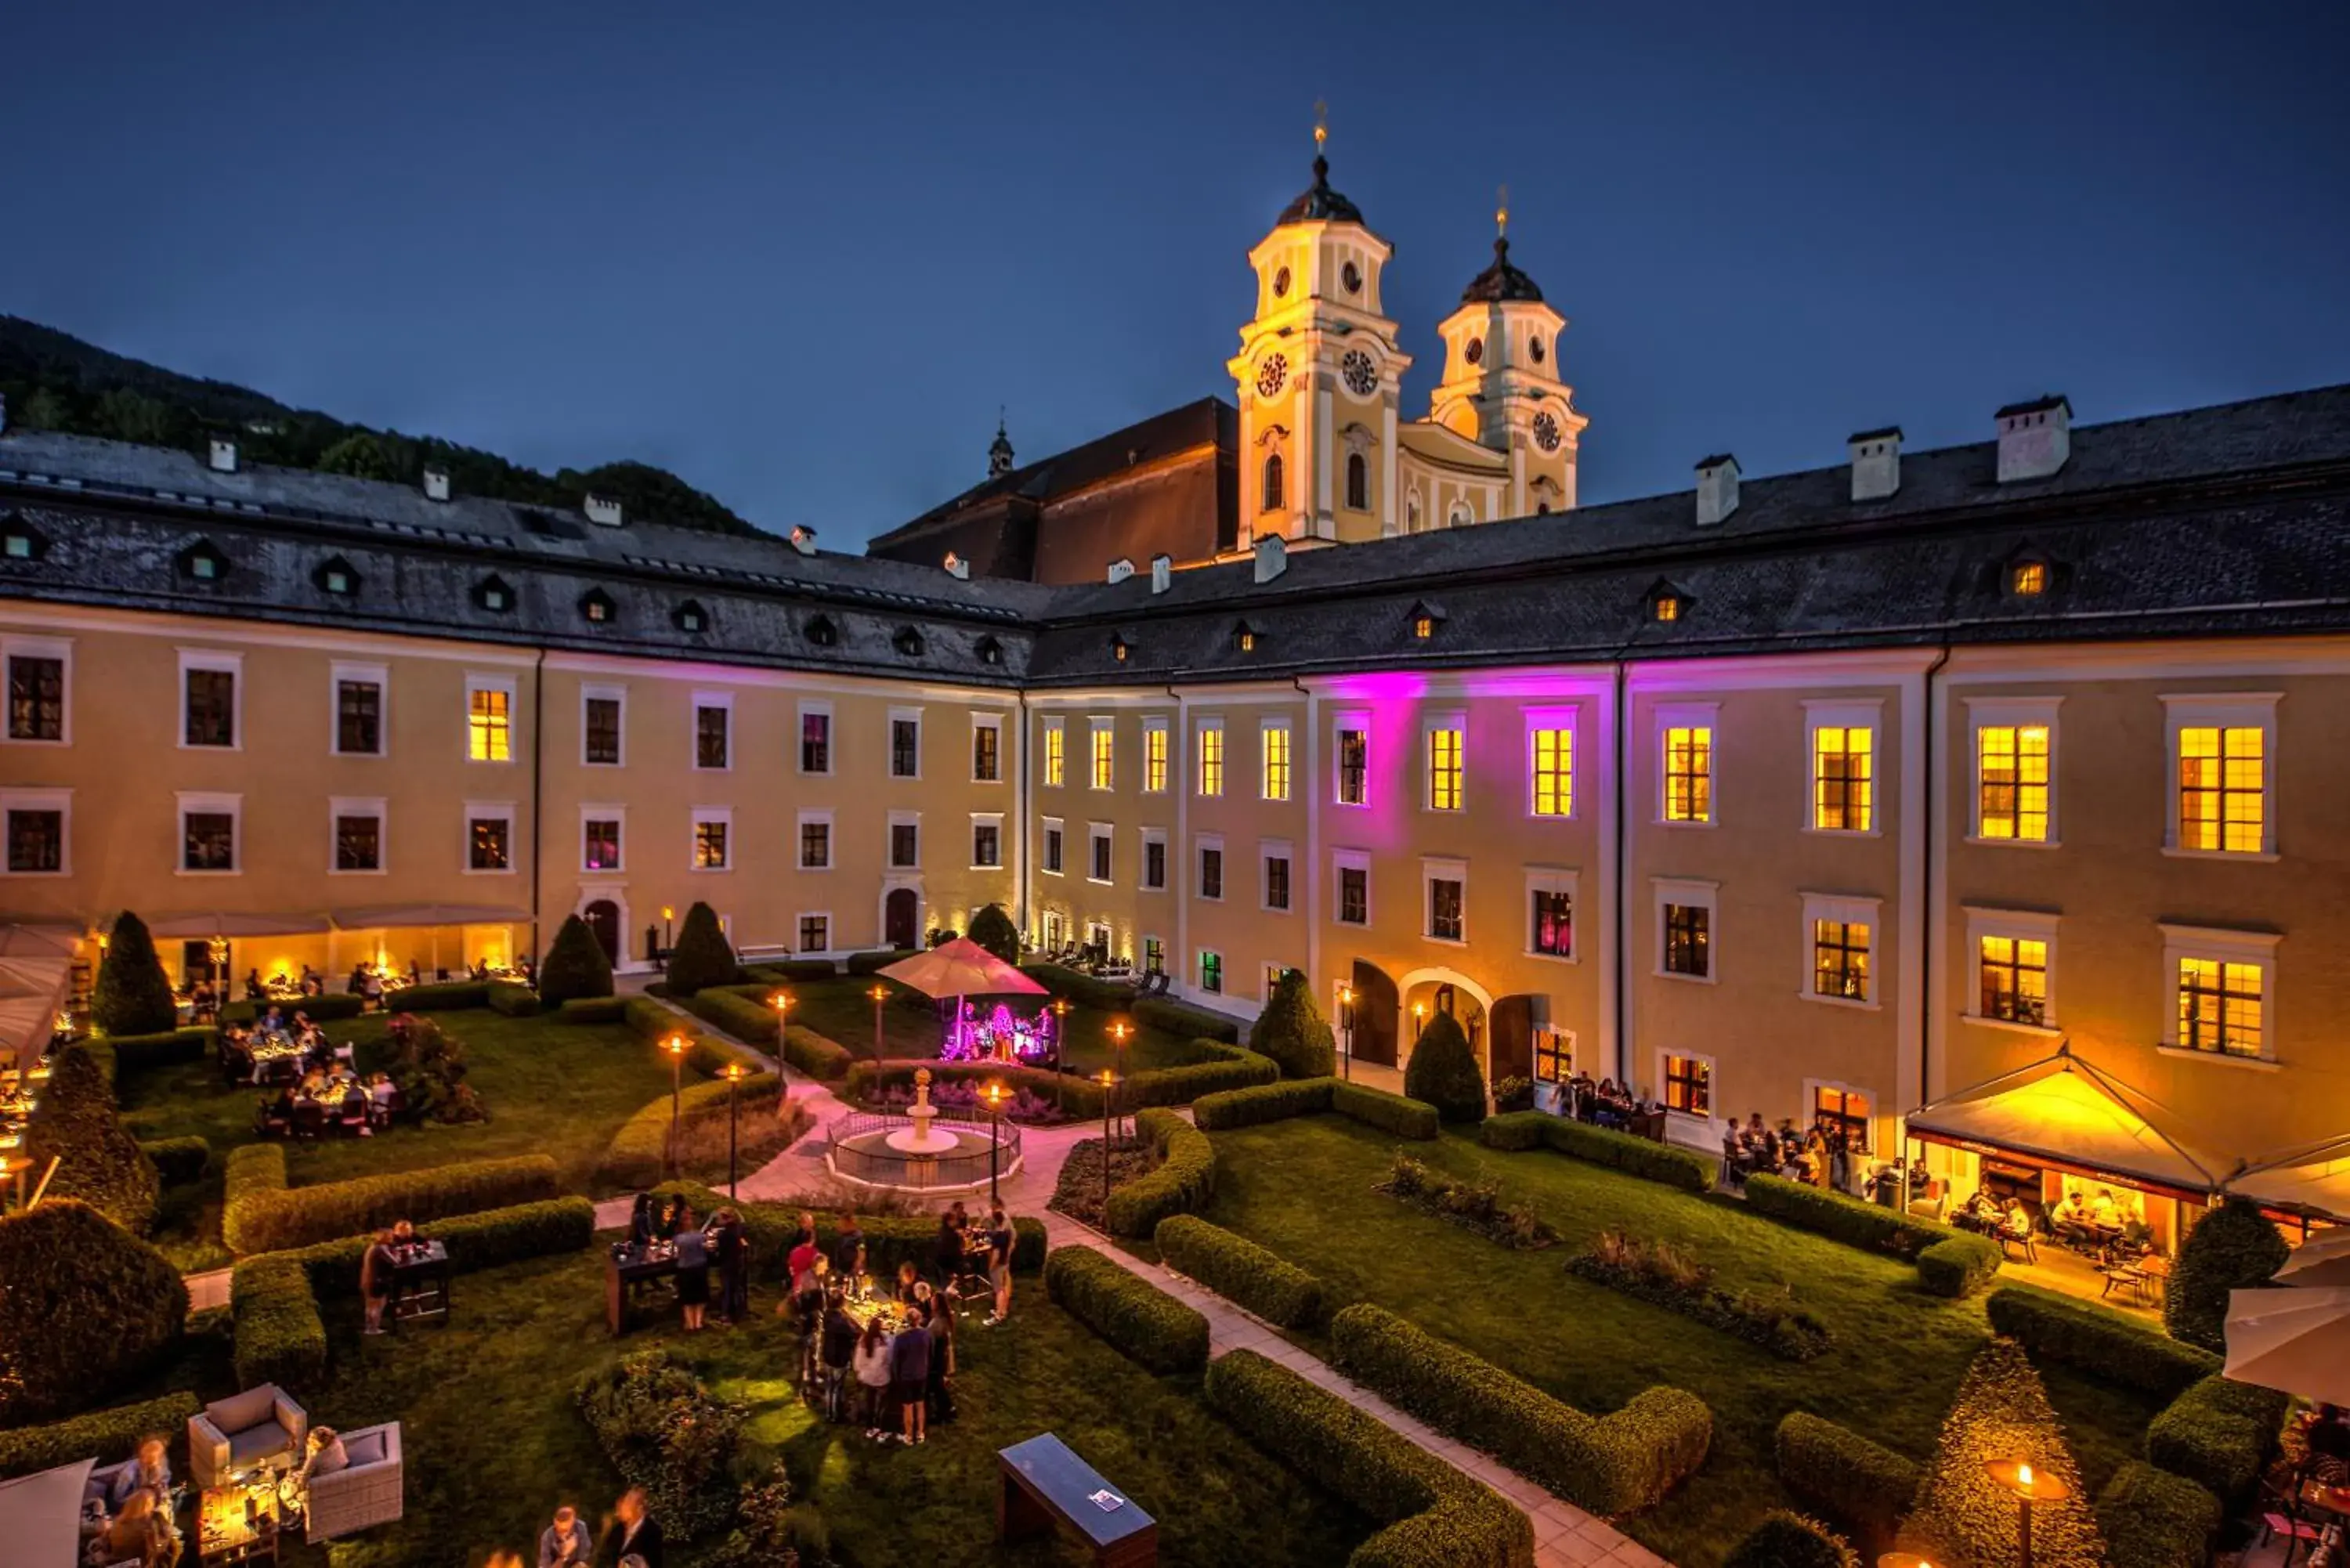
(243, 1431)
(367, 1491)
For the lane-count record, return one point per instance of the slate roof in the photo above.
(1500, 281)
(1319, 203)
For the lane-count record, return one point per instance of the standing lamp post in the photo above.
(734, 1121)
(782, 1003)
(1120, 1030)
(1110, 1089)
(1903, 1560)
(995, 1137)
(1060, 1011)
(675, 1046)
(669, 930)
(2030, 1486)
(880, 993)
(1418, 1019)
(1346, 1030)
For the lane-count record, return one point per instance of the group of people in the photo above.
(723, 1244)
(1987, 1214)
(132, 1515)
(632, 1538)
(1816, 1156)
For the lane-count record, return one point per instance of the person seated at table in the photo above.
(324, 1455)
(2103, 1213)
(253, 989)
(2069, 1218)
(272, 1024)
(565, 1544)
(909, 1276)
(313, 983)
(276, 1112)
(871, 1364)
(149, 1468)
(693, 1268)
(377, 1267)
(2015, 1224)
(140, 1530)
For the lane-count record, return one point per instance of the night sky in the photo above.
(801, 253)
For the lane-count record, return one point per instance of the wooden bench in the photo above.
(1045, 1484)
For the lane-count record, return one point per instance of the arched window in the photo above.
(1411, 515)
(1272, 483)
(1459, 517)
(1358, 482)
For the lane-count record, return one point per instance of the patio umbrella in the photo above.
(960, 967)
(40, 1515)
(2297, 1341)
(2321, 1262)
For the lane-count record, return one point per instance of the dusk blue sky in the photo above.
(801, 253)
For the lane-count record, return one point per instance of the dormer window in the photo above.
(990, 650)
(1425, 618)
(691, 618)
(1244, 638)
(907, 642)
(492, 595)
(19, 540)
(203, 562)
(822, 632)
(1119, 648)
(596, 606)
(1667, 603)
(1668, 607)
(335, 576)
(2028, 579)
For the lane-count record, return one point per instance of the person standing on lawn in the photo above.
(1000, 1240)
(910, 1369)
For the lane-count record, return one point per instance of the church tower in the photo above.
(1318, 375)
(1502, 386)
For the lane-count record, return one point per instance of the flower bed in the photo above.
(1183, 1181)
(1471, 1205)
(1662, 1275)
(1077, 1193)
(665, 1432)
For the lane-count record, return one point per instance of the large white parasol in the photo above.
(961, 968)
(2295, 1340)
(2322, 1261)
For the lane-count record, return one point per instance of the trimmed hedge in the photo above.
(2151, 1519)
(591, 1009)
(2105, 1343)
(819, 1057)
(1516, 1131)
(1444, 1071)
(173, 1048)
(889, 1240)
(1127, 1310)
(179, 1160)
(1609, 1464)
(263, 1215)
(280, 1337)
(701, 956)
(132, 995)
(441, 996)
(489, 1239)
(792, 971)
(638, 1154)
(107, 1435)
(2219, 1434)
(1861, 1485)
(85, 1309)
(992, 930)
(327, 1009)
(1265, 1103)
(1082, 1096)
(1109, 996)
(1292, 1032)
(1959, 1266)
(1184, 1182)
(875, 959)
(575, 968)
(1435, 1516)
(1182, 1018)
(99, 1161)
(2234, 1247)
(1785, 1540)
(1963, 1261)
(511, 1000)
(747, 1018)
(1221, 1067)
(1240, 1270)
(1395, 1114)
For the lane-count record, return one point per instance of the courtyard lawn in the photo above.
(551, 1088)
(841, 1009)
(1304, 1188)
(493, 1442)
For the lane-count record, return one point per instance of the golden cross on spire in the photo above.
(1321, 124)
(1501, 213)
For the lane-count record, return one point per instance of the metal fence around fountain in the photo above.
(896, 1168)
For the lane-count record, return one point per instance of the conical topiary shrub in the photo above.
(1443, 1072)
(1293, 1031)
(89, 1308)
(575, 967)
(2234, 1248)
(1962, 1515)
(133, 996)
(97, 1159)
(992, 930)
(702, 957)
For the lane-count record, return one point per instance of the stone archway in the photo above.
(1439, 988)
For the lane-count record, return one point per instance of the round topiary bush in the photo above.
(133, 996)
(2234, 1248)
(1443, 1072)
(702, 957)
(98, 1160)
(88, 1309)
(992, 930)
(1293, 1031)
(1785, 1540)
(575, 967)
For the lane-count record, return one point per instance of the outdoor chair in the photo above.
(2280, 1516)
(309, 1118)
(2008, 1239)
(245, 1430)
(368, 1492)
(354, 1119)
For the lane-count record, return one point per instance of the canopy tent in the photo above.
(961, 968)
(35, 939)
(2314, 1179)
(209, 923)
(2063, 1112)
(40, 1516)
(2322, 1262)
(2298, 1341)
(32, 990)
(388, 917)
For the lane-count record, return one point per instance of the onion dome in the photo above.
(1500, 281)
(1319, 203)
(999, 453)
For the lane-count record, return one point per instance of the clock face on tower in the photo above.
(1271, 374)
(1547, 432)
(1360, 374)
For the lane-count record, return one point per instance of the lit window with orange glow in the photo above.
(1553, 763)
(2223, 789)
(1688, 772)
(1276, 739)
(2029, 580)
(1840, 959)
(489, 724)
(2012, 778)
(1843, 786)
(2219, 1006)
(1668, 607)
(1104, 771)
(1154, 758)
(1056, 759)
(1211, 759)
(1444, 768)
(2013, 971)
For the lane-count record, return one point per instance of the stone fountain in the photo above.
(922, 1138)
(910, 1152)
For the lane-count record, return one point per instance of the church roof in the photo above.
(1500, 281)
(1319, 203)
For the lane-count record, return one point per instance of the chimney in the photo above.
(1162, 573)
(2034, 438)
(1272, 556)
(804, 539)
(957, 567)
(1120, 569)
(1717, 489)
(436, 484)
(1875, 463)
(224, 455)
(601, 509)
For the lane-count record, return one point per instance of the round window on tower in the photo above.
(1475, 352)
(1271, 375)
(1280, 282)
(1360, 374)
(1534, 347)
(1351, 276)
(1546, 432)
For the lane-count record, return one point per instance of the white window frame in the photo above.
(617, 695)
(1713, 1119)
(980, 819)
(721, 816)
(1554, 880)
(1430, 723)
(1054, 724)
(191, 659)
(208, 801)
(1667, 717)
(1358, 719)
(898, 819)
(1098, 724)
(1273, 971)
(599, 812)
(1435, 868)
(1812, 1087)
(1695, 892)
(2030, 925)
(57, 800)
(476, 680)
(343, 805)
(1200, 957)
(1567, 718)
(1201, 728)
(720, 700)
(2258, 948)
(1266, 730)
(2019, 712)
(805, 915)
(487, 811)
(376, 675)
(807, 710)
(1870, 912)
(1098, 833)
(1150, 835)
(807, 818)
(1157, 731)
(988, 721)
(61, 648)
(1275, 849)
(1341, 861)
(1200, 844)
(2227, 710)
(1846, 713)
(906, 716)
(1044, 866)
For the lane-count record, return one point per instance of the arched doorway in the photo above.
(1425, 992)
(901, 918)
(603, 918)
(1375, 1015)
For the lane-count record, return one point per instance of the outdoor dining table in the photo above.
(420, 1282)
(632, 1269)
